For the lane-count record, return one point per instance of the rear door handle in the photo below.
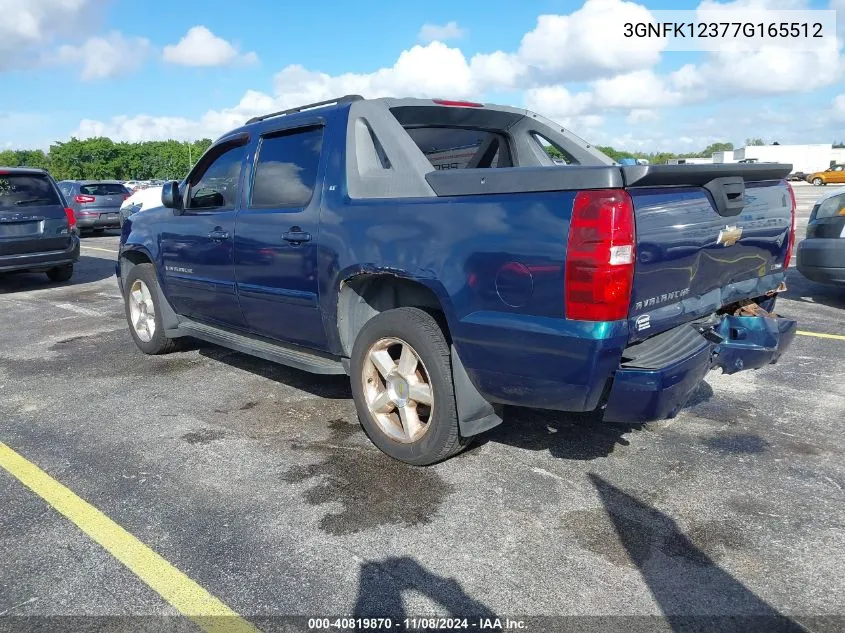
(296, 236)
(218, 235)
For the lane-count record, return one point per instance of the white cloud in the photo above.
(641, 115)
(839, 108)
(27, 26)
(440, 32)
(588, 42)
(432, 70)
(498, 69)
(557, 102)
(638, 89)
(201, 47)
(621, 84)
(102, 57)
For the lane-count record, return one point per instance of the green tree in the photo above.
(716, 147)
(754, 141)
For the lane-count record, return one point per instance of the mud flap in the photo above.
(751, 342)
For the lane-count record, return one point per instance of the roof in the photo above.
(22, 170)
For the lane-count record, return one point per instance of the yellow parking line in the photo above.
(185, 595)
(104, 250)
(838, 337)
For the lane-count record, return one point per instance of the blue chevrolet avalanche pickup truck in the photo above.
(434, 252)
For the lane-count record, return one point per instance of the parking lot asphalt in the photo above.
(256, 481)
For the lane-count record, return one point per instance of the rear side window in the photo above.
(27, 190)
(831, 207)
(461, 148)
(103, 189)
(286, 169)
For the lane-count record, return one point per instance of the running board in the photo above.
(297, 357)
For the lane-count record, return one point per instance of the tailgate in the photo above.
(32, 216)
(707, 236)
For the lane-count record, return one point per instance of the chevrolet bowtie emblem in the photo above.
(729, 235)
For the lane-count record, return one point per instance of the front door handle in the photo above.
(296, 236)
(219, 235)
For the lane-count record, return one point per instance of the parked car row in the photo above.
(41, 220)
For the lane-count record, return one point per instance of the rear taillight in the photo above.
(600, 256)
(791, 239)
(83, 199)
(71, 218)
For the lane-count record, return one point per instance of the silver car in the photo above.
(95, 203)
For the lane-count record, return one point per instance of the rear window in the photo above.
(103, 189)
(461, 148)
(27, 190)
(833, 206)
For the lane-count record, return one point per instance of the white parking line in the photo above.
(79, 309)
(103, 250)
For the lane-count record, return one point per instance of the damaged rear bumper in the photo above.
(657, 377)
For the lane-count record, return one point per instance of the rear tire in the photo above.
(141, 294)
(407, 408)
(60, 273)
(818, 182)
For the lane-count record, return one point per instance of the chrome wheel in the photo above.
(142, 313)
(398, 390)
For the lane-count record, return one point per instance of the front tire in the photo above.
(60, 273)
(818, 182)
(401, 374)
(142, 312)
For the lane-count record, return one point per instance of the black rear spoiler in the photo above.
(700, 175)
(467, 182)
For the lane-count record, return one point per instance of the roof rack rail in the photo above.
(338, 100)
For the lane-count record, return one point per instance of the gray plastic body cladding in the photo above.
(467, 182)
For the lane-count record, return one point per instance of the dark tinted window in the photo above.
(103, 189)
(26, 190)
(286, 170)
(217, 188)
(459, 148)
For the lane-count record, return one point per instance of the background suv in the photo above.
(37, 230)
(821, 255)
(95, 203)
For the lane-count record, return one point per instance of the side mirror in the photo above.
(170, 196)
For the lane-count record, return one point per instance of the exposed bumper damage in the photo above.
(658, 375)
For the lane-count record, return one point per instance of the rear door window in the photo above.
(461, 148)
(103, 189)
(26, 190)
(286, 169)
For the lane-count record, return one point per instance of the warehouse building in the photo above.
(805, 158)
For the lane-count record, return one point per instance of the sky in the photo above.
(190, 69)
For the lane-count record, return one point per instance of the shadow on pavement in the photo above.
(381, 584)
(86, 270)
(578, 436)
(332, 387)
(693, 593)
(799, 288)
